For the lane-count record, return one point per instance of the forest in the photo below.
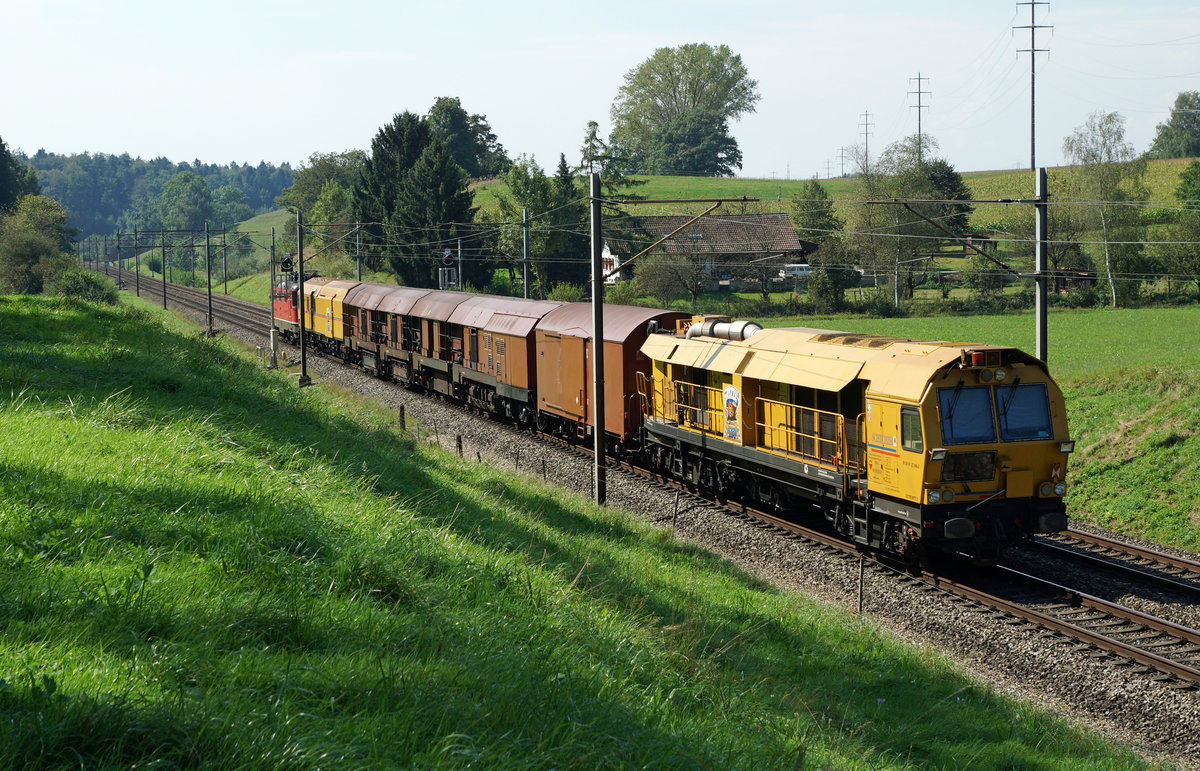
(107, 193)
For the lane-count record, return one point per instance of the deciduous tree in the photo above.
(676, 81)
(321, 168)
(1111, 173)
(1179, 135)
(186, 202)
(469, 139)
(230, 206)
(34, 239)
(694, 142)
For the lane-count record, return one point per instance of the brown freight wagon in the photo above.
(564, 355)
(379, 329)
(493, 363)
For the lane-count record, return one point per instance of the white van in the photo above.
(796, 271)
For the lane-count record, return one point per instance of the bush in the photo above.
(878, 304)
(622, 293)
(84, 285)
(566, 293)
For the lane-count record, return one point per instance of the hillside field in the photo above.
(1162, 177)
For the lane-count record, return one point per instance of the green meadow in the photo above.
(203, 566)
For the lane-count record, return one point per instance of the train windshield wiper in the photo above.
(954, 400)
(1011, 395)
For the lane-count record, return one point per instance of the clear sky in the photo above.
(255, 80)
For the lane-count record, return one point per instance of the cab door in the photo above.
(882, 429)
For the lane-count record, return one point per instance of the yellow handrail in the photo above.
(814, 435)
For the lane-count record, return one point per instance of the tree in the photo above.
(814, 215)
(1188, 190)
(1182, 255)
(831, 277)
(332, 208)
(1179, 136)
(594, 153)
(310, 179)
(230, 206)
(430, 200)
(469, 139)
(907, 170)
(668, 277)
(186, 202)
(16, 179)
(597, 156)
(675, 81)
(395, 149)
(34, 240)
(1105, 163)
(694, 142)
(568, 251)
(529, 189)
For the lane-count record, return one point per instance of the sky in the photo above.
(258, 80)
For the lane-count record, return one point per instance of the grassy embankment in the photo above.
(201, 565)
(1132, 384)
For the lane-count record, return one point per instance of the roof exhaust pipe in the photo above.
(726, 330)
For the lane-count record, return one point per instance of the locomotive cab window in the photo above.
(1024, 412)
(910, 430)
(966, 413)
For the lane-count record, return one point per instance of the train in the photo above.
(911, 449)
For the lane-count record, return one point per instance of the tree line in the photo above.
(109, 193)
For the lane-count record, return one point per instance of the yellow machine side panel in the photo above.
(882, 438)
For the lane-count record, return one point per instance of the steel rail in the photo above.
(1138, 551)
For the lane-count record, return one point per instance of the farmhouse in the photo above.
(729, 247)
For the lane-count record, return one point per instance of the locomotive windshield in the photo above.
(1024, 412)
(969, 413)
(966, 414)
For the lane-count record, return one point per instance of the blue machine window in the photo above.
(966, 414)
(1024, 412)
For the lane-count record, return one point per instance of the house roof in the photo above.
(726, 234)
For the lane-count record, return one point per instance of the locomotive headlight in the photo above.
(985, 376)
(1046, 489)
(934, 496)
(1001, 374)
(947, 496)
(1067, 447)
(1060, 489)
(937, 453)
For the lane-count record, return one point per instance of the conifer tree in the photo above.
(429, 200)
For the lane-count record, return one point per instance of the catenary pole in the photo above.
(304, 378)
(525, 249)
(1042, 196)
(162, 245)
(274, 334)
(208, 272)
(598, 424)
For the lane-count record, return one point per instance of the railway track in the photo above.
(226, 309)
(1170, 572)
(1155, 646)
